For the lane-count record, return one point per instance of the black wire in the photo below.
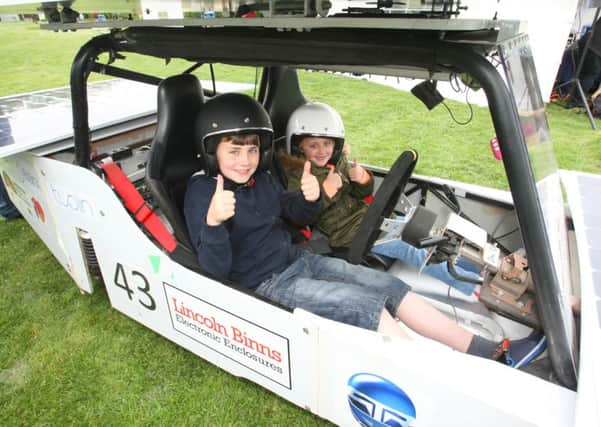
(502, 236)
(453, 117)
(501, 222)
(454, 80)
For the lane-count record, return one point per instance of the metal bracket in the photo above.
(393, 229)
(405, 205)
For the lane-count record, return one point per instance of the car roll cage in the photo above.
(269, 47)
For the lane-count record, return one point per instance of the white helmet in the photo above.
(315, 119)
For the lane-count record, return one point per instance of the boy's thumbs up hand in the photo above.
(223, 204)
(309, 184)
(332, 183)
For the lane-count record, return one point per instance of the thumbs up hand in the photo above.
(332, 183)
(223, 204)
(358, 174)
(309, 184)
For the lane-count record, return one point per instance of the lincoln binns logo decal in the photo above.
(251, 345)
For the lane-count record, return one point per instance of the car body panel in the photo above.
(317, 357)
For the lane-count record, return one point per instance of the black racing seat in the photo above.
(172, 158)
(282, 95)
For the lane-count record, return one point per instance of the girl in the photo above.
(315, 132)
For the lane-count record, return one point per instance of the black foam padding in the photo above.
(427, 93)
(419, 226)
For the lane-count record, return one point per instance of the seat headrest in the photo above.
(180, 98)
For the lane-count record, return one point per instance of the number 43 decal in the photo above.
(139, 281)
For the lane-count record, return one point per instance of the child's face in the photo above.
(317, 149)
(237, 162)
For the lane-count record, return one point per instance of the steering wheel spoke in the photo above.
(383, 204)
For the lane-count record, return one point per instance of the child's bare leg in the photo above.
(429, 322)
(389, 326)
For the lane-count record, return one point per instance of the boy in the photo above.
(234, 215)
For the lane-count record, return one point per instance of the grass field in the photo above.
(82, 6)
(69, 359)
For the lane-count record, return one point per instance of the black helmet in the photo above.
(232, 113)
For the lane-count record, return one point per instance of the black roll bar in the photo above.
(83, 64)
(126, 74)
(525, 197)
(80, 70)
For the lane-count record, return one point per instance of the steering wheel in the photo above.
(382, 205)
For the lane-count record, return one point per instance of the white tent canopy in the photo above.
(548, 23)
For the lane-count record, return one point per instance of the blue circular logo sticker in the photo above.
(375, 401)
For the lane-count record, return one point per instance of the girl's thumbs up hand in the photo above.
(358, 174)
(309, 184)
(332, 183)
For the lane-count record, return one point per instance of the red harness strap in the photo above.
(138, 207)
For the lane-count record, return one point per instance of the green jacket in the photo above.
(341, 215)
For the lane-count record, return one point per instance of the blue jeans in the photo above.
(7, 209)
(403, 251)
(334, 289)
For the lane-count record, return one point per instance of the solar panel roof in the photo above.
(37, 119)
(42, 121)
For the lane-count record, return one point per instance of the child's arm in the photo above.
(206, 208)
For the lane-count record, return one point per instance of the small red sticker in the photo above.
(38, 209)
(496, 148)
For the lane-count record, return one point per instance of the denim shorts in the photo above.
(337, 290)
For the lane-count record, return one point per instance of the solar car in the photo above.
(107, 201)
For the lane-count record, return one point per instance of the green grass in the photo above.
(398, 121)
(33, 59)
(69, 359)
(82, 6)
